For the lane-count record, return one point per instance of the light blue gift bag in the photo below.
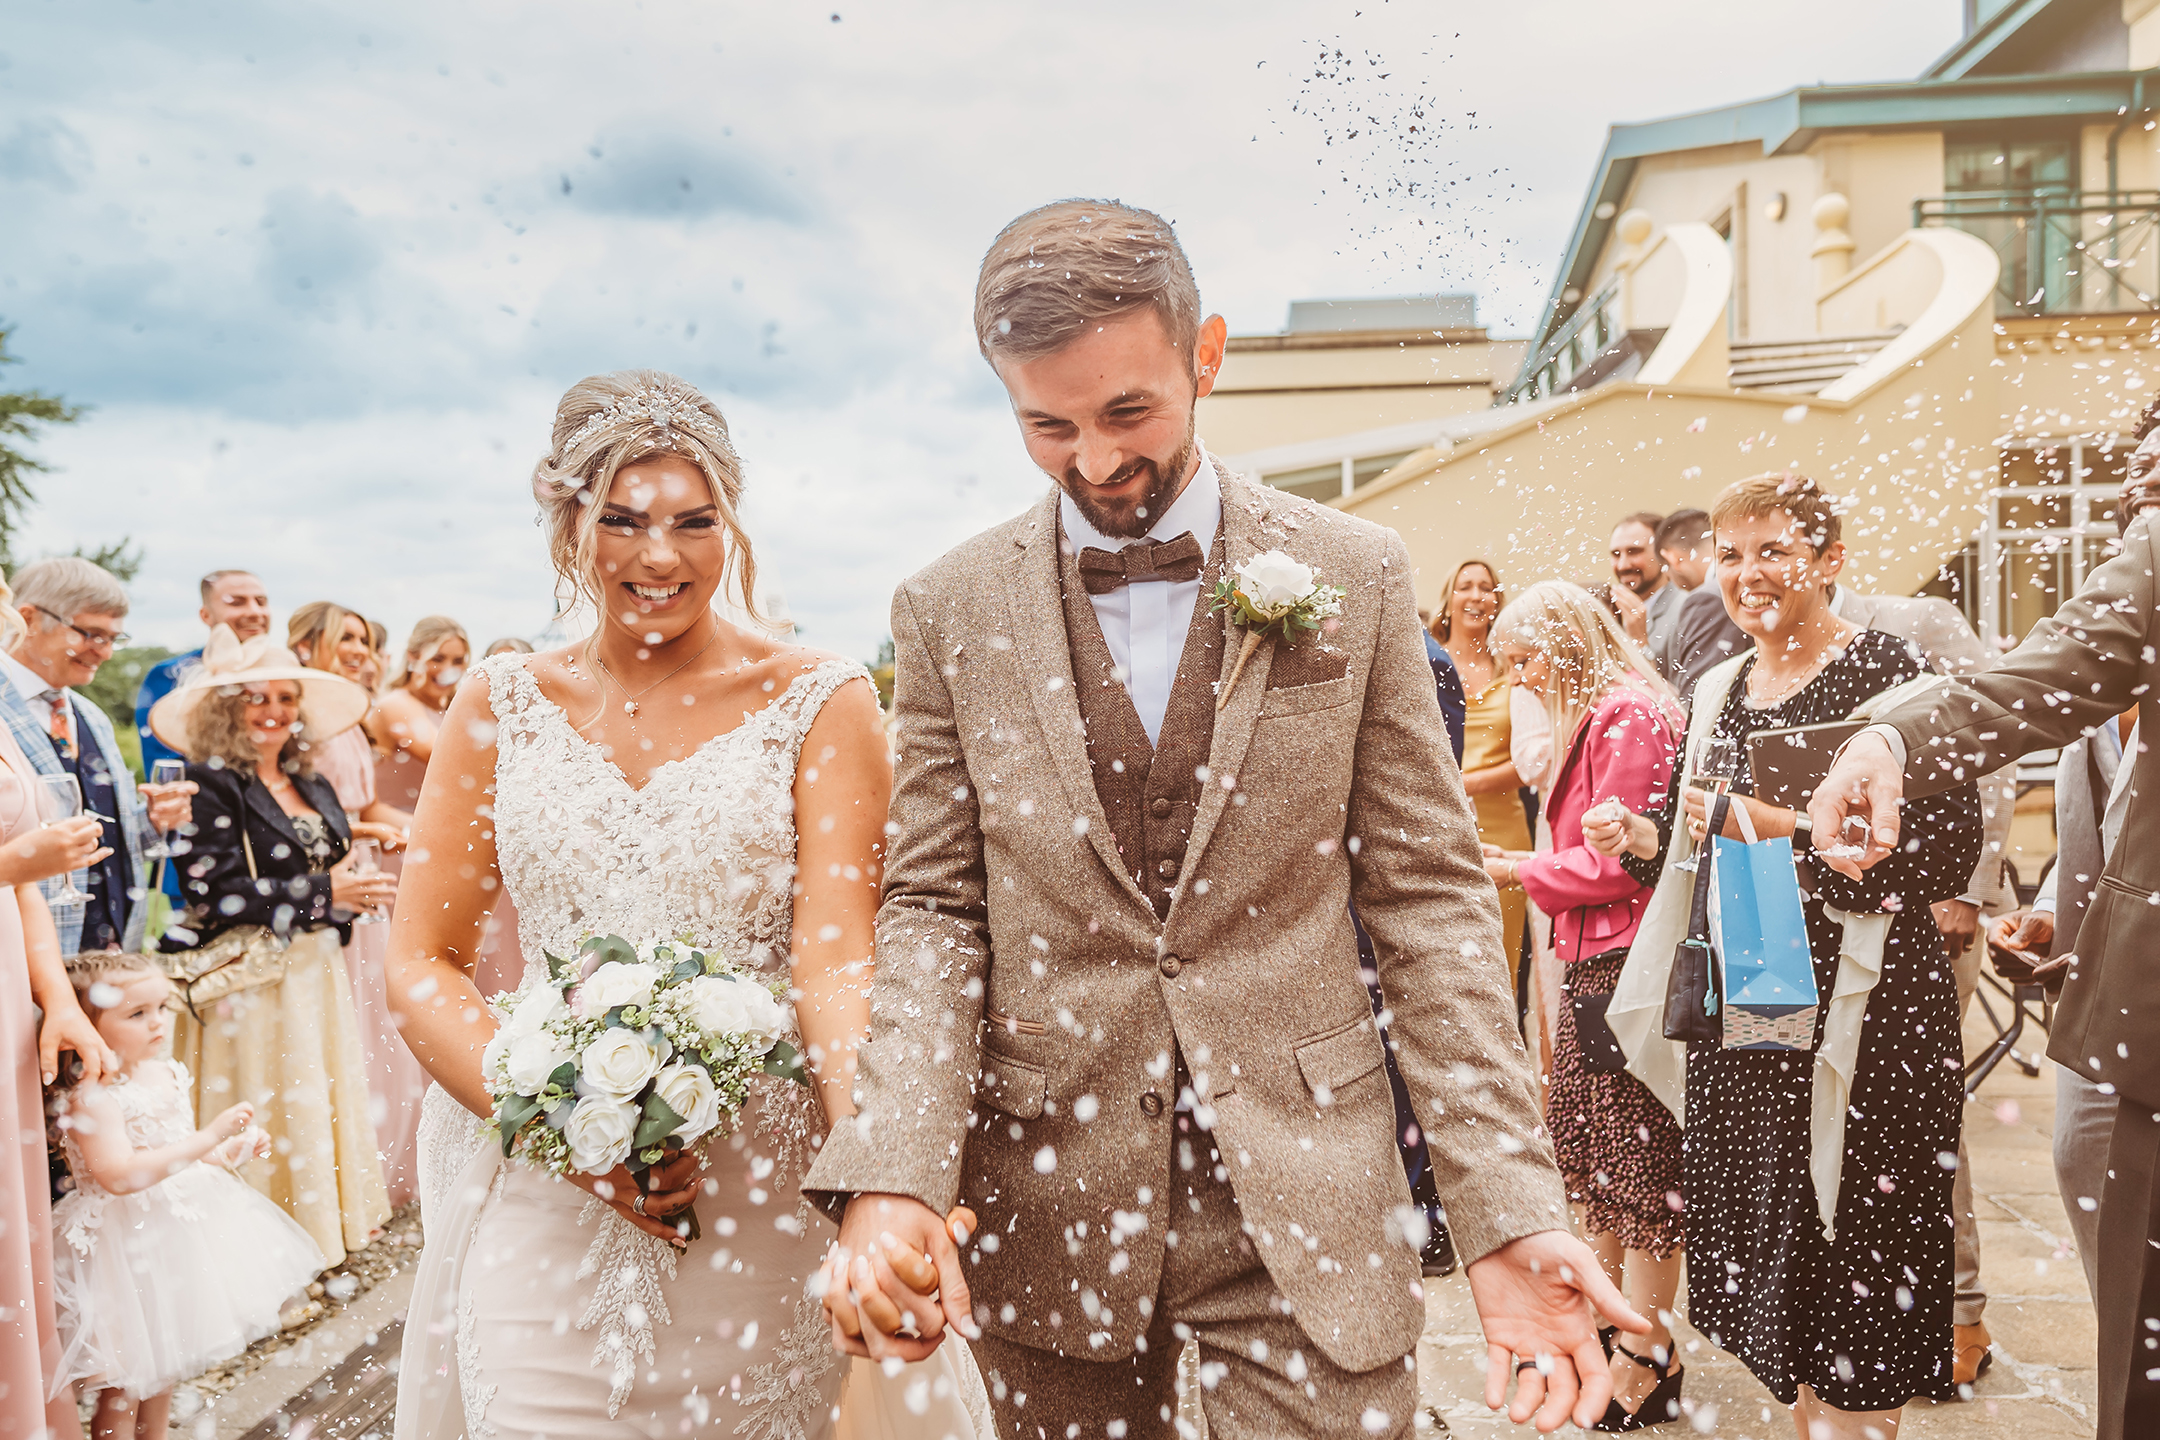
(1766, 972)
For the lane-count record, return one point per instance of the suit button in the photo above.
(1167, 869)
(1170, 965)
(1151, 1104)
(1159, 807)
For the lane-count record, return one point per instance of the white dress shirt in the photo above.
(1144, 623)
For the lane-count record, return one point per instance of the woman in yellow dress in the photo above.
(1463, 626)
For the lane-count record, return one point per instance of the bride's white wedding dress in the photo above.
(539, 1311)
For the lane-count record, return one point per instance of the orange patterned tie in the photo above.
(63, 737)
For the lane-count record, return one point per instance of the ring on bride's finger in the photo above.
(1522, 1365)
(638, 1205)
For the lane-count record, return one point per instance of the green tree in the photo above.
(881, 672)
(22, 413)
(113, 689)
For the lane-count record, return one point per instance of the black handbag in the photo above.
(1691, 991)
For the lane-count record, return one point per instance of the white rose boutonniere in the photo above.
(1272, 595)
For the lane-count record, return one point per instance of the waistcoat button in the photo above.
(1170, 965)
(1160, 807)
(1167, 869)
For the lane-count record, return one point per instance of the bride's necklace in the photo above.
(630, 701)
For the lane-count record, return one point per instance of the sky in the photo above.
(321, 272)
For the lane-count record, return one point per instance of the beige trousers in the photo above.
(1260, 1374)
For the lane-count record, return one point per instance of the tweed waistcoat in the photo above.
(1150, 794)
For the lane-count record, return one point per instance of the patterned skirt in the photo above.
(1618, 1146)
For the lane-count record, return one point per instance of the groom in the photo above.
(1117, 1009)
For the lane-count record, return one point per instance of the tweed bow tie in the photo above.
(1105, 570)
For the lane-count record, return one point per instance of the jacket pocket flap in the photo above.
(1303, 699)
(1340, 1058)
(1012, 1086)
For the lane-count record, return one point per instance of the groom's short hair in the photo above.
(1060, 269)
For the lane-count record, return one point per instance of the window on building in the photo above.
(2004, 164)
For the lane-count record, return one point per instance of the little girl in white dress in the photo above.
(163, 1264)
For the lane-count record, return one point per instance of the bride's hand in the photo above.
(619, 1188)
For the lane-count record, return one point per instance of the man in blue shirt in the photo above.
(229, 597)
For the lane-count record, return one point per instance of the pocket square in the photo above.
(1307, 664)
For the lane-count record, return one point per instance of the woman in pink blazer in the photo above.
(1619, 731)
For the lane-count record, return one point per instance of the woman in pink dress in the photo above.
(32, 977)
(330, 637)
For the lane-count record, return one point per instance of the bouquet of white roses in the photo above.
(628, 1055)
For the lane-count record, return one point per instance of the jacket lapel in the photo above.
(1245, 512)
(1035, 611)
(263, 805)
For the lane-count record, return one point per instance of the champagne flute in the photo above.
(367, 861)
(1717, 765)
(163, 772)
(60, 798)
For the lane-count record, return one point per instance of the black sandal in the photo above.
(1660, 1407)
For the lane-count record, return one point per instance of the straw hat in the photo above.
(331, 703)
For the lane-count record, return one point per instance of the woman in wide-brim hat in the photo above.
(269, 848)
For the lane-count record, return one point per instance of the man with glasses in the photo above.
(72, 612)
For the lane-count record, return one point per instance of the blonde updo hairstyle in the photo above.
(605, 422)
(1587, 652)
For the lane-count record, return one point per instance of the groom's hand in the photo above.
(871, 1307)
(1534, 1296)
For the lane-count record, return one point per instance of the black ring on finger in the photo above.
(1522, 1365)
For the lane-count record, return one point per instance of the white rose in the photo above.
(497, 1047)
(723, 1005)
(1274, 580)
(533, 1058)
(616, 983)
(618, 1063)
(689, 1092)
(534, 1009)
(599, 1131)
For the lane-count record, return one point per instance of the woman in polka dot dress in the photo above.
(1844, 1325)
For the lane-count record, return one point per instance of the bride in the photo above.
(674, 776)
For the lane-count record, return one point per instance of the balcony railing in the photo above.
(2063, 252)
(1574, 346)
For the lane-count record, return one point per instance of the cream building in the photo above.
(1353, 387)
(1938, 297)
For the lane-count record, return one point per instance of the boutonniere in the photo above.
(1272, 595)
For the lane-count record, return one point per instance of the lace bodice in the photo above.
(706, 850)
(155, 1116)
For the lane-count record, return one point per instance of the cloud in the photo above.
(45, 152)
(316, 267)
(316, 250)
(675, 177)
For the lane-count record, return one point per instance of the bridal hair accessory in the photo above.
(667, 408)
(627, 1055)
(1272, 595)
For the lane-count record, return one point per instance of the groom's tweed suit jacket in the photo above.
(1033, 991)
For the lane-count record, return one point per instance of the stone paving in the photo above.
(2039, 1313)
(2040, 1386)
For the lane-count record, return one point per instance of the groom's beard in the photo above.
(1129, 520)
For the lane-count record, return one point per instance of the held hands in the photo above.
(170, 805)
(1534, 1297)
(2018, 944)
(56, 849)
(892, 1281)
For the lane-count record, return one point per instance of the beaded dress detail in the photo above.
(561, 1317)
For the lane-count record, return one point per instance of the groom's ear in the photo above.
(1208, 351)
